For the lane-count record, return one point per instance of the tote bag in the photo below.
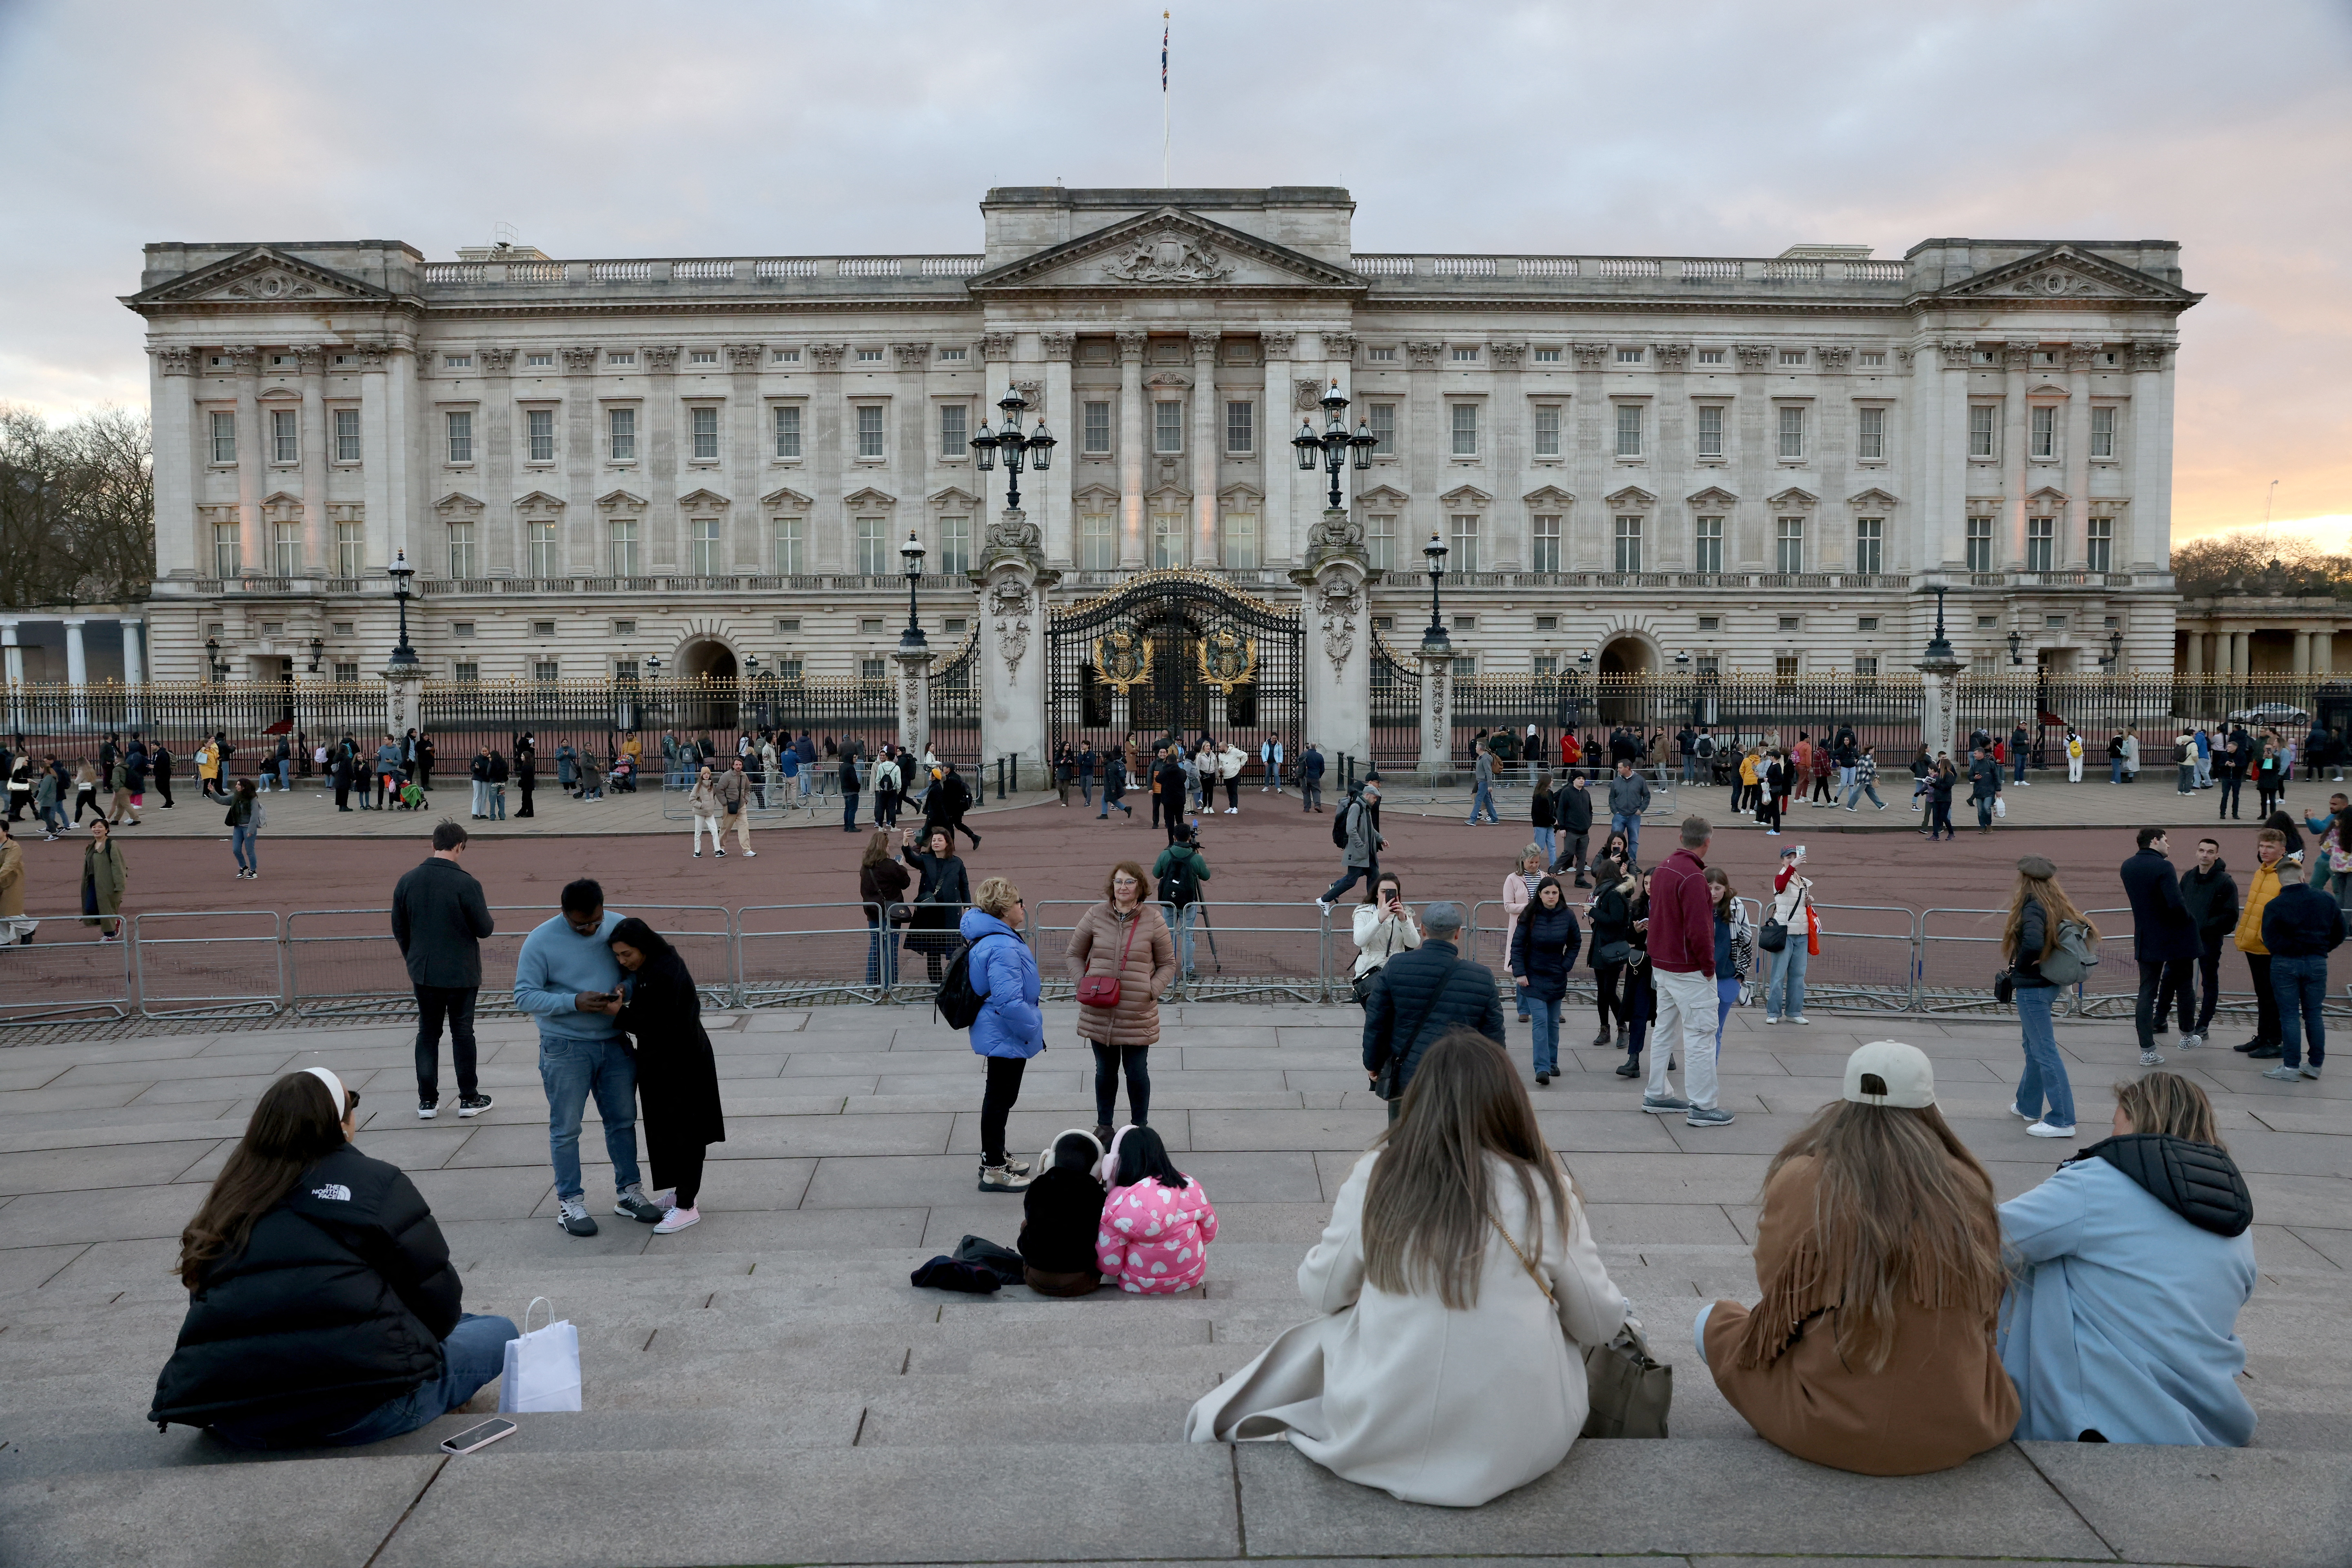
(543, 1369)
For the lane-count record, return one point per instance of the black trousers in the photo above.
(163, 787)
(2266, 1008)
(434, 1002)
(2209, 991)
(996, 1105)
(1940, 817)
(675, 1166)
(2163, 983)
(1108, 1060)
(1572, 851)
(525, 810)
(2231, 785)
(1606, 999)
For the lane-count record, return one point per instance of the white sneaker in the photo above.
(2044, 1129)
(1800, 1018)
(2190, 1042)
(748, 854)
(677, 1219)
(1323, 904)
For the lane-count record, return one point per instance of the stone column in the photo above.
(12, 671)
(1506, 414)
(1948, 523)
(665, 548)
(498, 551)
(252, 460)
(1437, 716)
(1752, 549)
(1670, 548)
(404, 698)
(134, 661)
(822, 441)
(2302, 651)
(1940, 703)
(2075, 554)
(746, 451)
(1338, 640)
(1013, 643)
(1206, 547)
(1132, 554)
(2150, 514)
(316, 541)
(2017, 358)
(1276, 541)
(77, 668)
(403, 395)
(914, 700)
(171, 391)
(384, 447)
(1427, 441)
(2196, 653)
(1061, 414)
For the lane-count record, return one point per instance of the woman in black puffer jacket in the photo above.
(1544, 944)
(323, 1310)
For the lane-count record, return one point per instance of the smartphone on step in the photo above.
(481, 1436)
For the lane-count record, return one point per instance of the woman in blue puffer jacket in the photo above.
(1010, 1028)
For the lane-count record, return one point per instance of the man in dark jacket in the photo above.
(1311, 778)
(2164, 943)
(1419, 996)
(2301, 927)
(1572, 809)
(1629, 797)
(1984, 787)
(439, 917)
(2210, 896)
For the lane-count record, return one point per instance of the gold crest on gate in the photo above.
(1122, 660)
(1227, 659)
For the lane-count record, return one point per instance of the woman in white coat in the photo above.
(1447, 1365)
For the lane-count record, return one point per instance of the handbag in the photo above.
(2000, 807)
(1102, 990)
(1627, 1391)
(1771, 936)
(542, 1368)
(1616, 951)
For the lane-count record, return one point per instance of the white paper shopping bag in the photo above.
(543, 1369)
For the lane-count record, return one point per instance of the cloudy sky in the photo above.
(728, 128)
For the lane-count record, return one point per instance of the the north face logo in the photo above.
(333, 1192)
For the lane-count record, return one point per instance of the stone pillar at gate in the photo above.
(1939, 687)
(1336, 641)
(1436, 714)
(403, 698)
(1012, 652)
(914, 700)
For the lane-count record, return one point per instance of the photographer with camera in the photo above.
(1177, 877)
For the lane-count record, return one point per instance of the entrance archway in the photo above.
(1623, 692)
(1625, 655)
(706, 702)
(707, 660)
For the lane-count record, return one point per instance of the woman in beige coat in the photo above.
(1126, 937)
(1447, 1365)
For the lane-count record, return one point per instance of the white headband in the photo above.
(334, 1090)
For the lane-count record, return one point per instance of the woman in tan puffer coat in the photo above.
(1124, 936)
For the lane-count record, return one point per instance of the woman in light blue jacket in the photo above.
(1010, 1028)
(2134, 1260)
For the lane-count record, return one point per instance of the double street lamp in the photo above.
(1037, 449)
(1334, 445)
(911, 553)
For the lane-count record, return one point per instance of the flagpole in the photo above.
(1163, 100)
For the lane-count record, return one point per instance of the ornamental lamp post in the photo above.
(1435, 639)
(400, 571)
(213, 660)
(318, 646)
(1335, 444)
(1036, 450)
(911, 553)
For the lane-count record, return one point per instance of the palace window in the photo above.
(1871, 359)
(1629, 545)
(702, 356)
(1980, 429)
(1792, 357)
(1465, 429)
(2102, 432)
(788, 547)
(951, 356)
(1241, 541)
(703, 546)
(1543, 542)
(955, 546)
(285, 436)
(286, 549)
(1546, 356)
(788, 430)
(1546, 664)
(2040, 540)
(538, 361)
(785, 356)
(347, 434)
(1096, 422)
(456, 362)
(1629, 429)
(541, 434)
(1710, 356)
(1706, 544)
(347, 671)
(625, 670)
(1098, 543)
(1383, 354)
(1866, 665)
(1979, 545)
(874, 671)
(1466, 544)
(1466, 355)
(622, 357)
(869, 356)
(622, 423)
(461, 550)
(542, 628)
(1240, 435)
(1465, 666)
(1710, 430)
(1792, 435)
(1547, 430)
(1870, 544)
(869, 430)
(461, 436)
(1384, 421)
(624, 541)
(465, 669)
(1870, 435)
(544, 562)
(1629, 356)
(1168, 426)
(545, 669)
(351, 549)
(872, 547)
(1166, 540)
(955, 430)
(2100, 546)
(706, 434)
(1380, 541)
(1791, 542)
(2044, 439)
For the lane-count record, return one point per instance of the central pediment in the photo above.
(261, 275)
(1169, 250)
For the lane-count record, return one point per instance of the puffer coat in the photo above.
(1094, 947)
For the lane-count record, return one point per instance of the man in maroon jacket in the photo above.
(1681, 965)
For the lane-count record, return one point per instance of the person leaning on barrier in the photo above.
(1417, 997)
(439, 917)
(881, 884)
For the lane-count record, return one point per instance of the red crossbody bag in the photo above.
(1102, 990)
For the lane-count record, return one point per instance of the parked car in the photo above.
(2272, 715)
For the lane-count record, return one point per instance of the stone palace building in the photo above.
(1635, 462)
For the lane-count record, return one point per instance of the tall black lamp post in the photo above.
(1036, 450)
(400, 571)
(2040, 694)
(1435, 639)
(911, 553)
(1334, 445)
(220, 666)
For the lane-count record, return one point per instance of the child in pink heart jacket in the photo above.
(1155, 1220)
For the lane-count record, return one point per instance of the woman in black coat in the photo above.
(939, 898)
(322, 1308)
(678, 1078)
(1545, 941)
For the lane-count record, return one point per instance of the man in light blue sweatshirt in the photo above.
(568, 978)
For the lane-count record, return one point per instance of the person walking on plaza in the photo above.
(49, 803)
(1864, 779)
(2164, 943)
(678, 1077)
(124, 803)
(1545, 941)
(1611, 913)
(1230, 762)
(881, 885)
(1455, 1292)
(2269, 855)
(2038, 906)
(1793, 911)
(940, 893)
(1984, 787)
(1417, 997)
(944, 805)
(1121, 956)
(567, 977)
(1681, 968)
(888, 783)
(244, 819)
(2184, 764)
(104, 878)
(1311, 778)
(1113, 784)
(1176, 880)
(2210, 896)
(1359, 856)
(1481, 789)
(1771, 790)
(2121, 1321)
(1629, 797)
(86, 792)
(15, 931)
(323, 1310)
(161, 761)
(1940, 783)
(702, 800)
(733, 788)
(439, 917)
(1010, 1028)
(1542, 814)
(2301, 926)
(208, 773)
(1571, 809)
(2020, 742)
(1879, 1254)
(1519, 891)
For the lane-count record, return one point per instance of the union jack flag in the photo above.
(1163, 51)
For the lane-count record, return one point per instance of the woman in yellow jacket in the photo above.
(1748, 781)
(208, 769)
(2270, 845)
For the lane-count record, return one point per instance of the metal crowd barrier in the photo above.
(65, 975)
(790, 955)
(232, 965)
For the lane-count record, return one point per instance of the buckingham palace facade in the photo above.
(1635, 462)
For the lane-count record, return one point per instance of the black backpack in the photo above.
(1182, 885)
(1339, 822)
(957, 1002)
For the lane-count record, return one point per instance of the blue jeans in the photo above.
(2018, 761)
(1544, 841)
(1690, 769)
(1784, 990)
(1630, 825)
(1086, 789)
(1727, 998)
(497, 802)
(570, 1070)
(1483, 799)
(881, 952)
(2115, 770)
(1543, 1022)
(848, 811)
(473, 1354)
(2044, 1082)
(2300, 983)
(241, 843)
(1185, 916)
(1868, 787)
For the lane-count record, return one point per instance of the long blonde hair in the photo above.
(1902, 1213)
(2055, 907)
(1426, 1206)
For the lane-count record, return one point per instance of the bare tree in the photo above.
(76, 507)
(2252, 562)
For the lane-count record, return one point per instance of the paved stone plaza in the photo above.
(767, 1387)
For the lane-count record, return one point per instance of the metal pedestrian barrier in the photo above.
(1868, 961)
(799, 955)
(65, 975)
(215, 964)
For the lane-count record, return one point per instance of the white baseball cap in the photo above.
(1899, 1076)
